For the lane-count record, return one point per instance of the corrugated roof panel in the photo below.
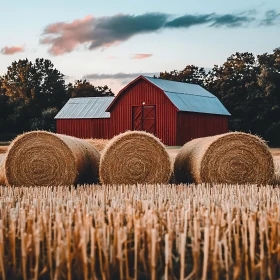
(85, 108)
(190, 97)
(179, 87)
(198, 104)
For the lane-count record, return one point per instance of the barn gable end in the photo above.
(139, 97)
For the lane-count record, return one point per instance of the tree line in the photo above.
(248, 85)
(31, 94)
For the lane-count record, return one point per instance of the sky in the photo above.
(114, 41)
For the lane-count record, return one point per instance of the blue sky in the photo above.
(111, 42)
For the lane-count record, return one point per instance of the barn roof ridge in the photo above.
(170, 80)
(190, 94)
(92, 97)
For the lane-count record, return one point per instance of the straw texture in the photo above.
(99, 144)
(135, 157)
(43, 158)
(233, 158)
(3, 149)
(2, 176)
(276, 160)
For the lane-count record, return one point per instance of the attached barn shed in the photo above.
(173, 111)
(85, 117)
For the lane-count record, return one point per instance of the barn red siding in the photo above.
(84, 128)
(135, 95)
(195, 125)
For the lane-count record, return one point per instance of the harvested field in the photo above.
(135, 157)
(140, 232)
(3, 149)
(2, 175)
(275, 151)
(43, 158)
(99, 144)
(232, 158)
(276, 160)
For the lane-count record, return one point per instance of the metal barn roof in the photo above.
(85, 108)
(190, 97)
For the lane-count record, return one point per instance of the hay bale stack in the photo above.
(2, 175)
(232, 158)
(135, 157)
(3, 149)
(43, 158)
(99, 144)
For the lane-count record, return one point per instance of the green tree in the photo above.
(235, 84)
(86, 89)
(46, 121)
(190, 74)
(31, 89)
(269, 82)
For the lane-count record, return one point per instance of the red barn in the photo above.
(175, 112)
(85, 117)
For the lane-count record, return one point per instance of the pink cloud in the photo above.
(104, 32)
(65, 37)
(142, 55)
(11, 50)
(101, 32)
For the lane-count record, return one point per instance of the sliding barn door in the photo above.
(144, 118)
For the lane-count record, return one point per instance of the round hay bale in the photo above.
(232, 158)
(42, 158)
(99, 144)
(135, 157)
(2, 175)
(3, 149)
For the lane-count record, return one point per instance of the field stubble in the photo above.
(140, 232)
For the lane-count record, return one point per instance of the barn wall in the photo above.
(195, 125)
(135, 95)
(84, 128)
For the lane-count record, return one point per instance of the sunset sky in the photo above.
(112, 42)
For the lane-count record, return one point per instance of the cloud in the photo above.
(227, 20)
(142, 55)
(271, 18)
(230, 20)
(11, 50)
(189, 20)
(65, 37)
(99, 32)
(117, 76)
(102, 32)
